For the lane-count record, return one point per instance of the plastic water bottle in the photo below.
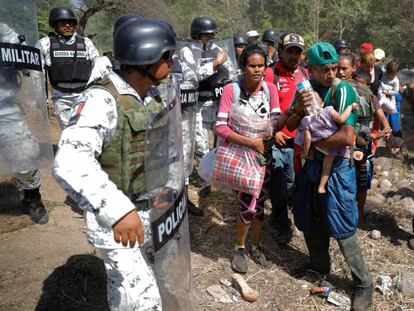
(314, 106)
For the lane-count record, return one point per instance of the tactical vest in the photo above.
(123, 157)
(68, 64)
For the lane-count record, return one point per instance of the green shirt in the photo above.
(343, 97)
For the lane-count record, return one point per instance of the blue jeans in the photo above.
(394, 120)
(281, 182)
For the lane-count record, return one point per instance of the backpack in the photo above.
(365, 112)
(236, 91)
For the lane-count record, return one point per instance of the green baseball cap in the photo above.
(322, 53)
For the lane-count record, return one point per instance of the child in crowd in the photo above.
(389, 87)
(320, 123)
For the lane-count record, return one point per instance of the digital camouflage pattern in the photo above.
(93, 126)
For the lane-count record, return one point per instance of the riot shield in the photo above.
(225, 73)
(169, 251)
(24, 125)
(184, 71)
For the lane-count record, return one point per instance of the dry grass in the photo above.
(212, 239)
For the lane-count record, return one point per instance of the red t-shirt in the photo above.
(286, 86)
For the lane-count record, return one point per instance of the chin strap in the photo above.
(145, 72)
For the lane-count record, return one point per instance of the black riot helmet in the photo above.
(142, 42)
(123, 19)
(341, 43)
(202, 24)
(240, 40)
(271, 35)
(61, 14)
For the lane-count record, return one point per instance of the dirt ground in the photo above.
(52, 267)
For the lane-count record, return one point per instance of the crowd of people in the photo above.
(293, 123)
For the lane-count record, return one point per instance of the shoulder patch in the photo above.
(76, 113)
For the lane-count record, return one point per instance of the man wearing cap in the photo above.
(68, 58)
(335, 213)
(252, 36)
(284, 74)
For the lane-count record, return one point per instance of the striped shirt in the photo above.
(258, 101)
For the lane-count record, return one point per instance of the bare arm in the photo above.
(382, 119)
(281, 123)
(302, 100)
(344, 137)
(256, 144)
(293, 121)
(220, 59)
(307, 140)
(341, 118)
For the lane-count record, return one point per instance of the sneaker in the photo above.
(37, 211)
(238, 262)
(194, 210)
(259, 258)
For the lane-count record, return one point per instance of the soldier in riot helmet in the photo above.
(240, 42)
(103, 64)
(342, 47)
(212, 63)
(22, 96)
(271, 39)
(68, 58)
(103, 161)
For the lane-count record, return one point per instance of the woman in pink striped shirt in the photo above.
(257, 97)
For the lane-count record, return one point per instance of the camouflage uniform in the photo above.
(18, 147)
(64, 101)
(92, 127)
(207, 107)
(101, 68)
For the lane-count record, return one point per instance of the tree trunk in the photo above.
(83, 20)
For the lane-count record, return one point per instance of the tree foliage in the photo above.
(381, 22)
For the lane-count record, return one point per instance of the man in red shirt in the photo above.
(285, 74)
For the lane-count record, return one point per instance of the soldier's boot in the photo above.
(193, 209)
(32, 201)
(360, 273)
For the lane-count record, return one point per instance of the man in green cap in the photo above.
(335, 213)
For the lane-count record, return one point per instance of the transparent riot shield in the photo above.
(227, 45)
(24, 125)
(184, 71)
(169, 251)
(225, 73)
